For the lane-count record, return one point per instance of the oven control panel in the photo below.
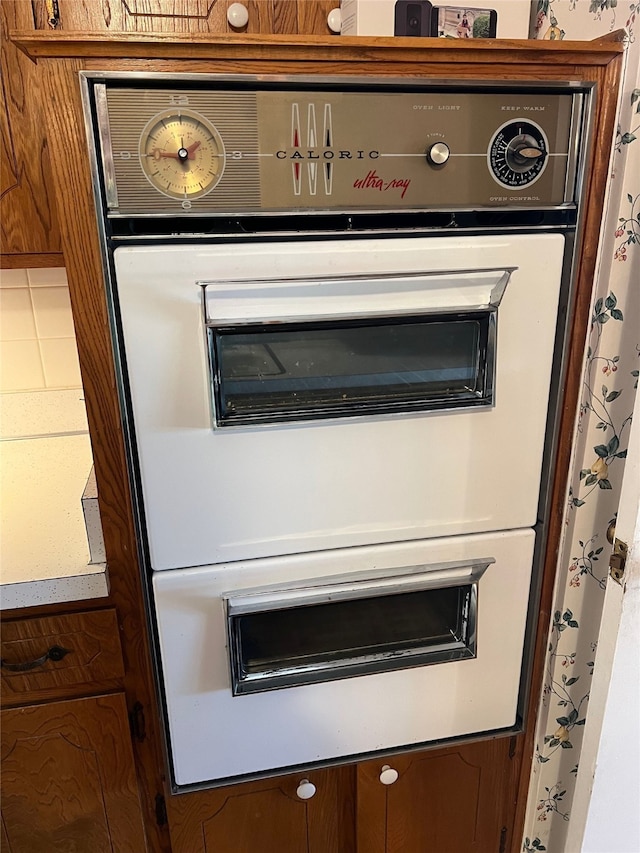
(223, 146)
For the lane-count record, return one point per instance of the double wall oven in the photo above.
(339, 312)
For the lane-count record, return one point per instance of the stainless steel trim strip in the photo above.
(575, 141)
(348, 587)
(497, 292)
(104, 135)
(351, 212)
(522, 86)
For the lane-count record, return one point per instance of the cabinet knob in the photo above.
(334, 20)
(237, 15)
(388, 775)
(306, 789)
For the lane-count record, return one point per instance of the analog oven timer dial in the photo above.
(182, 154)
(517, 154)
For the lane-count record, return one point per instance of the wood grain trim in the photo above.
(27, 207)
(25, 261)
(74, 198)
(387, 70)
(285, 47)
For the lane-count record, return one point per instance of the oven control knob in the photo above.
(518, 154)
(438, 154)
(388, 775)
(306, 789)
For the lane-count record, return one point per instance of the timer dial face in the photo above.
(182, 154)
(518, 153)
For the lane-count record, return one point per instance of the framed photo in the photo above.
(461, 22)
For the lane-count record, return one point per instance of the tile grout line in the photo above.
(35, 325)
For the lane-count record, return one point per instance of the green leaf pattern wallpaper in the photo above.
(610, 379)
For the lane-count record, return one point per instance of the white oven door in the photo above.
(273, 663)
(291, 397)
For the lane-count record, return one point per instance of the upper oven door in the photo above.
(299, 396)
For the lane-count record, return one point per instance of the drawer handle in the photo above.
(55, 653)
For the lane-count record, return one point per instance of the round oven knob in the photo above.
(518, 154)
(388, 775)
(438, 154)
(306, 789)
(522, 152)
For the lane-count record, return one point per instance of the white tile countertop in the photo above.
(45, 461)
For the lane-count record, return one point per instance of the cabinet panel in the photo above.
(312, 17)
(152, 16)
(141, 16)
(456, 800)
(184, 16)
(52, 656)
(68, 779)
(267, 816)
(27, 207)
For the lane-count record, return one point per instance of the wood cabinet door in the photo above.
(27, 208)
(454, 800)
(68, 780)
(184, 16)
(267, 816)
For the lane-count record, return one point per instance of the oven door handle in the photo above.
(412, 579)
(350, 296)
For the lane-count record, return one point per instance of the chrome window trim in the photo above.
(349, 588)
(307, 413)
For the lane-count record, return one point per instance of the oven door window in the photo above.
(330, 635)
(276, 372)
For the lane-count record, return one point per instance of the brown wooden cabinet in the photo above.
(155, 17)
(459, 799)
(29, 233)
(68, 777)
(52, 657)
(267, 816)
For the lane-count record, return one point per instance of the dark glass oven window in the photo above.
(322, 642)
(282, 372)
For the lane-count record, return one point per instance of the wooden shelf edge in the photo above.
(345, 48)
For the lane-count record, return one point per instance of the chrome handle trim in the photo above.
(347, 587)
(496, 293)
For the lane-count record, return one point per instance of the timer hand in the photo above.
(157, 154)
(181, 154)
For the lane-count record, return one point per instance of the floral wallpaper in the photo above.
(604, 419)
